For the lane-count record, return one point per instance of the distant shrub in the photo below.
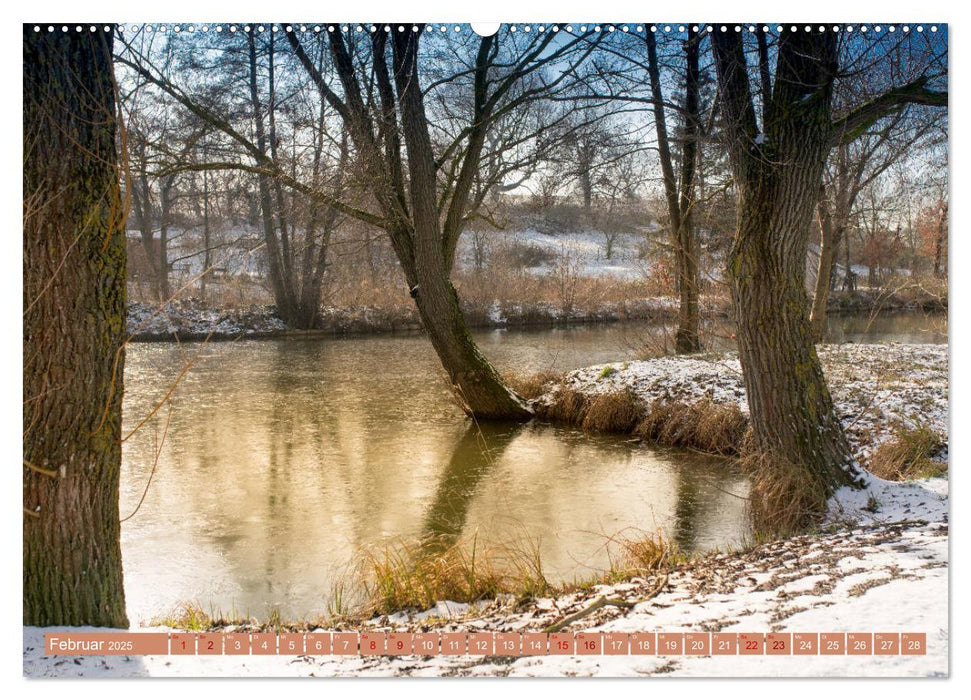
(519, 255)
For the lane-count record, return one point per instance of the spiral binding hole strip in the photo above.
(512, 28)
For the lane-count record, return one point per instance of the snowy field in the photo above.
(583, 253)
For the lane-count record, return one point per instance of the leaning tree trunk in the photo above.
(74, 328)
(476, 381)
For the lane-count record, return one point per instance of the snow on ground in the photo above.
(873, 577)
(584, 253)
(875, 387)
(188, 318)
(883, 571)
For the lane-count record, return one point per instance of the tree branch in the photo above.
(855, 123)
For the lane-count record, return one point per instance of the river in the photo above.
(282, 459)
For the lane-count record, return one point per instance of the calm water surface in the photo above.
(283, 459)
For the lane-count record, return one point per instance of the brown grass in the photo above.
(706, 426)
(613, 412)
(650, 554)
(532, 386)
(908, 455)
(568, 406)
(404, 575)
(417, 574)
(785, 497)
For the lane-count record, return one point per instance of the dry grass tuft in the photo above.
(785, 498)
(569, 406)
(650, 554)
(532, 386)
(405, 575)
(613, 412)
(191, 617)
(713, 428)
(908, 455)
(187, 616)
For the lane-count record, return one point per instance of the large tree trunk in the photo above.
(74, 329)
(790, 406)
(779, 172)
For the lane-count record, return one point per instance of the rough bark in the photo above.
(74, 328)
(778, 171)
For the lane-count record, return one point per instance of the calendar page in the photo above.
(550, 349)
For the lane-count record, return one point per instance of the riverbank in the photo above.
(881, 392)
(191, 320)
(885, 572)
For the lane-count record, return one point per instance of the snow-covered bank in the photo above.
(876, 576)
(190, 320)
(877, 388)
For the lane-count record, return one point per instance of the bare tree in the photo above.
(679, 193)
(854, 166)
(421, 187)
